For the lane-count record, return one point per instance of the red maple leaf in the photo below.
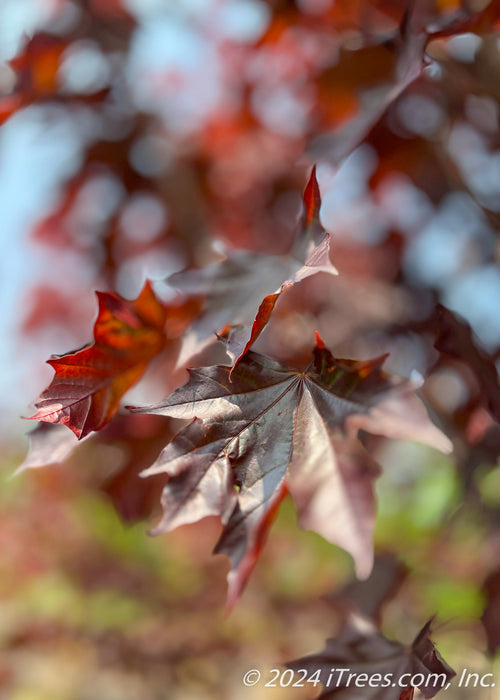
(89, 383)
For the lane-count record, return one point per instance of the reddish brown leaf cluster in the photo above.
(192, 174)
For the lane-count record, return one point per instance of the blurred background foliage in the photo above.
(141, 137)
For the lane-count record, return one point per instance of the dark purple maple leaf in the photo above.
(265, 430)
(362, 664)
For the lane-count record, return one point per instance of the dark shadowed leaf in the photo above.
(362, 649)
(491, 614)
(139, 442)
(370, 597)
(454, 337)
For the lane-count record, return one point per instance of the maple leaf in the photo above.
(48, 444)
(244, 287)
(370, 596)
(455, 338)
(265, 430)
(136, 439)
(140, 442)
(379, 665)
(89, 383)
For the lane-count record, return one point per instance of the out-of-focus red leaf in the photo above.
(9, 104)
(89, 383)
(454, 338)
(54, 229)
(375, 75)
(141, 441)
(368, 80)
(482, 22)
(48, 444)
(262, 428)
(110, 9)
(37, 66)
(181, 315)
(491, 614)
(137, 441)
(48, 305)
(38, 77)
